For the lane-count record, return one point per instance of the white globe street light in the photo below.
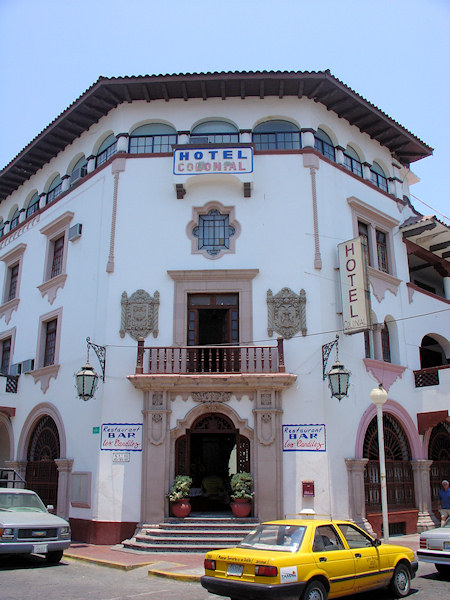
(379, 396)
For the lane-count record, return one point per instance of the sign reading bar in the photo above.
(355, 295)
(304, 438)
(198, 161)
(121, 436)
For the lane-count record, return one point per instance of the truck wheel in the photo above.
(54, 557)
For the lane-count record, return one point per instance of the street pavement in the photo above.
(179, 566)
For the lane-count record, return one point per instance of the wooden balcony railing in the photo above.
(190, 360)
(429, 376)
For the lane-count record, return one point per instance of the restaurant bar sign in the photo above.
(200, 161)
(121, 437)
(304, 438)
(354, 290)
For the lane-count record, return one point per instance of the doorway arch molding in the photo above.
(182, 425)
(5, 422)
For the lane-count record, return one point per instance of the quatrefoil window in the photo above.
(213, 230)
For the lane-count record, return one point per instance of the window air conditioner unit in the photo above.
(28, 365)
(78, 174)
(15, 369)
(75, 232)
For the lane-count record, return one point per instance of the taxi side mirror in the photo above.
(376, 542)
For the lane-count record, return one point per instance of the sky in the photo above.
(394, 53)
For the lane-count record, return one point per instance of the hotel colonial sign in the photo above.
(233, 159)
(354, 288)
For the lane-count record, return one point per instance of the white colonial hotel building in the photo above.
(189, 225)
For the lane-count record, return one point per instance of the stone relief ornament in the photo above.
(211, 396)
(139, 314)
(286, 312)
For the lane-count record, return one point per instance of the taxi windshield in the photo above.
(21, 502)
(280, 538)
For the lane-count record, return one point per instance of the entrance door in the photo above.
(41, 472)
(213, 320)
(211, 452)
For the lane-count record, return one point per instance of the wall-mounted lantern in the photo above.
(86, 379)
(338, 376)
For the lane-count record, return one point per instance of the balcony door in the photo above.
(213, 320)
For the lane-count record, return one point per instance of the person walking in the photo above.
(444, 501)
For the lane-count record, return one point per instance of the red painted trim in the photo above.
(8, 410)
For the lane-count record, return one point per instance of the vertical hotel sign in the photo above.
(355, 293)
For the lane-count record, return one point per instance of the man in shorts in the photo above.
(444, 502)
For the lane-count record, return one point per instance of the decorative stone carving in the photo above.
(266, 399)
(266, 427)
(157, 399)
(211, 396)
(139, 314)
(286, 312)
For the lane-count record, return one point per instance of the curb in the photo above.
(106, 563)
(175, 576)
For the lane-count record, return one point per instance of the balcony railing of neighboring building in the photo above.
(190, 360)
(428, 376)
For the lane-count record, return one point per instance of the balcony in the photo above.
(429, 376)
(222, 367)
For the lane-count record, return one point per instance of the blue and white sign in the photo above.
(121, 436)
(210, 160)
(304, 438)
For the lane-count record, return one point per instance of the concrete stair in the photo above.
(192, 534)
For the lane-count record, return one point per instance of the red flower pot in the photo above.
(241, 507)
(181, 508)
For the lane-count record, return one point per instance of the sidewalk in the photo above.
(174, 565)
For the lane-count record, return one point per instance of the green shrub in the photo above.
(242, 486)
(181, 488)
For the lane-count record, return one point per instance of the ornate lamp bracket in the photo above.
(326, 349)
(100, 351)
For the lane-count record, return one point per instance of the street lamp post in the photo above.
(379, 396)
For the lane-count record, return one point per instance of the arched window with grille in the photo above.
(41, 472)
(378, 176)
(323, 143)
(214, 132)
(106, 150)
(439, 453)
(399, 475)
(153, 138)
(352, 162)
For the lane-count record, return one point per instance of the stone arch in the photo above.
(403, 417)
(138, 124)
(100, 141)
(197, 412)
(329, 132)
(276, 118)
(359, 151)
(214, 119)
(39, 411)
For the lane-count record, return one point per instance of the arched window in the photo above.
(54, 190)
(214, 132)
(41, 470)
(323, 143)
(276, 135)
(431, 353)
(378, 177)
(33, 205)
(385, 343)
(352, 161)
(14, 220)
(439, 453)
(399, 475)
(79, 170)
(153, 138)
(106, 150)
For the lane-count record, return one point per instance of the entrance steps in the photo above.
(192, 534)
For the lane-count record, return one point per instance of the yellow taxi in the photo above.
(308, 559)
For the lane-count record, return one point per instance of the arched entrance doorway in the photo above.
(211, 451)
(439, 453)
(399, 476)
(41, 471)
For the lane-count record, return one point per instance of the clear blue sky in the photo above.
(395, 53)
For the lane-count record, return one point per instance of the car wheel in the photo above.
(443, 570)
(54, 557)
(401, 581)
(315, 590)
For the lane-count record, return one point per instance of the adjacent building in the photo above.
(219, 237)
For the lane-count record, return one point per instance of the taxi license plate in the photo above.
(446, 545)
(235, 570)
(39, 548)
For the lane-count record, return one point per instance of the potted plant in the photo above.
(179, 496)
(241, 494)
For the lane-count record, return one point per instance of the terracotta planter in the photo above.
(181, 508)
(241, 507)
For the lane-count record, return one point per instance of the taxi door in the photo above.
(332, 557)
(366, 557)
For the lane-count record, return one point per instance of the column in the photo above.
(122, 142)
(339, 155)
(422, 490)
(19, 466)
(447, 287)
(308, 138)
(90, 163)
(366, 170)
(311, 161)
(377, 345)
(63, 502)
(65, 183)
(155, 457)
(356, 492)
(183, 137)
(245, 136)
